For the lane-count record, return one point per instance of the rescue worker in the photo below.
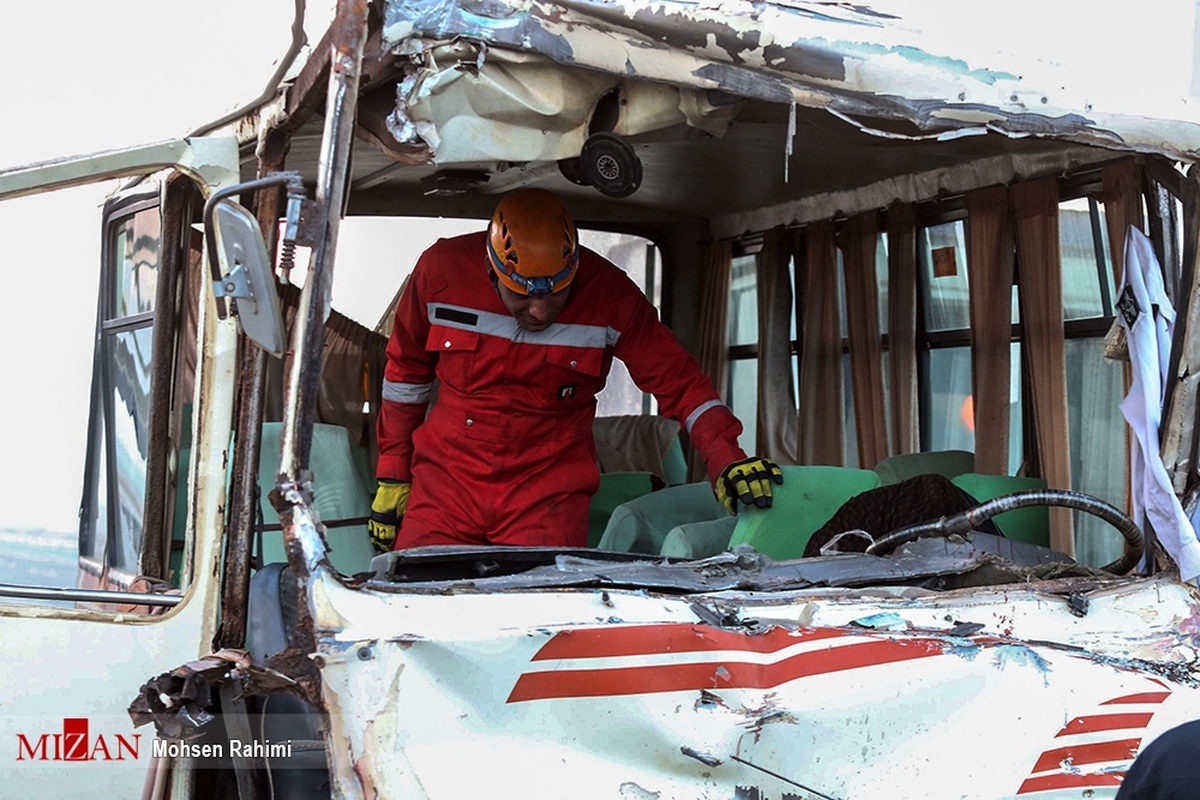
(520, 324)
(1166, 769)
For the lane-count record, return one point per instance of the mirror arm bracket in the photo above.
(234, 285)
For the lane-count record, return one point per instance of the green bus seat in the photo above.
(642, 524)
(674, 464)
(615, 488)
(699, 539)
(1030, 525)
(807, 499)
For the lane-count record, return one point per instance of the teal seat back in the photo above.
(641, 524)
(342, 490)
(1031, 525)
(807, 499)
(615, 488)
(674, 464)
(699, 539)
(947, 463)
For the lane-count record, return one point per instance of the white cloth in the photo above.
(1145, 311)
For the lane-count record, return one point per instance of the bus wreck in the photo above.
(897, 248)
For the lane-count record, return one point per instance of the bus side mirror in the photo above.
(241, 268)
(245, 275)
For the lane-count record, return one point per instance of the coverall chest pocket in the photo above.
(455, 350)
(578, 373)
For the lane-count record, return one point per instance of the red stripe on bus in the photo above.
(657, 678)
(1094, 753)
(1065, 780)
(1104, 722)
(1144, 697)
(635, 640)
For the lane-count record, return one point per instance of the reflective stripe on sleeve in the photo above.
(695, 415)
(398, 392)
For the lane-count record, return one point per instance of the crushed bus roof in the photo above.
(914, 66)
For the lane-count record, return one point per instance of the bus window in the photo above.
(640, 259)
(742, 389)
(112, 521)
(1086, 263)
(1095, 385)
(947, 402)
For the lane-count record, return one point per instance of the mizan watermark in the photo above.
(77, 739)
(76, 742)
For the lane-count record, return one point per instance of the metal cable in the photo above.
(971, 519)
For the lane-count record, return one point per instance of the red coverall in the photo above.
(506, 455)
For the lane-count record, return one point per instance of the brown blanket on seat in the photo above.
(923, 498)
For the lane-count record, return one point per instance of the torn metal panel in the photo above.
(502, 106)
(628, 687)
(491, 569)
(1179, 421)
(181, 703)
(897, 61)
(469, 103)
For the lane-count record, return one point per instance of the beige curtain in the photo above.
(352, 365)
(1035, 206)
(821, 397)
(713, 331)
(1122, 208)
(902, 327)
(777, 413)
(866, 343)
(990, 275)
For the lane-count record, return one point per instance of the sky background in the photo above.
(99, 76)
(78, 77)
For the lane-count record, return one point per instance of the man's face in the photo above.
(534, 312)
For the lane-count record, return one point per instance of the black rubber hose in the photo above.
(969, 520)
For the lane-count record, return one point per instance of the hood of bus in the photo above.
(590, 685)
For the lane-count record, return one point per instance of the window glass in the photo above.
(942, 262)
(792, 332)
(743, 400)
(128, 369)
(948, 408)
(113, 505)
(93, 521)
(1086, 262)
(1016, 412)
(1095, 387)
(743, 300)
(849, 425)
(948, 411)
(374, 257)
(136, 263)
(640, 259)
(881, 280)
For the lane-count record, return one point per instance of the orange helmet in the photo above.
(532, 244)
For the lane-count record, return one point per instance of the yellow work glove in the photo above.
(391, 500)
(748, 481)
